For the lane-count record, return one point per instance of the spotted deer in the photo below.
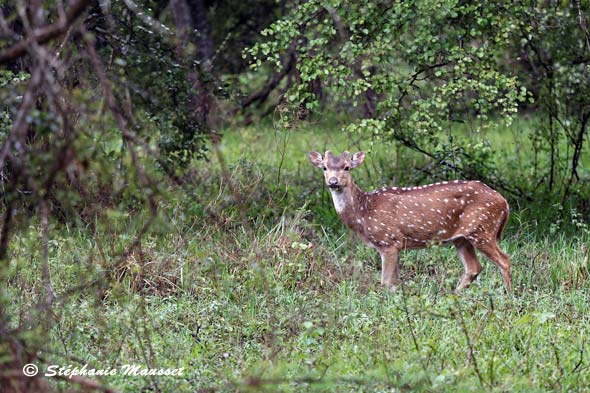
(468, 214)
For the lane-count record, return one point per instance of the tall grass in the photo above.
(290, 301)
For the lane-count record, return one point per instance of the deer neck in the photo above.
(348, 201)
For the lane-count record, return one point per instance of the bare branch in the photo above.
(5, 234)
(18, 131)
(46, 33)
(148, 20)
(583, 24)
(261, 95)
(45, 273)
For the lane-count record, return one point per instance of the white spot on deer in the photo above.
(446, 200)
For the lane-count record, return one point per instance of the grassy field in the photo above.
(272, 293)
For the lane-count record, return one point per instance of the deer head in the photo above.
(337, 168)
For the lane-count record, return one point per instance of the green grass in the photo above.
(290, 300)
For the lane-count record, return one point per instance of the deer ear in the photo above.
(357, 159)
(316, 159)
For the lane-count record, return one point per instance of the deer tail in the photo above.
(502, 224)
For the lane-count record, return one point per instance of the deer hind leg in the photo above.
(470, 263)
(389, 268)
(492, 251)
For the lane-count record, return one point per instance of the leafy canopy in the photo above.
(424, 63)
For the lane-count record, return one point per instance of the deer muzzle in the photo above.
(333, 182)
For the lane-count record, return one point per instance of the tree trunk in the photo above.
(191, 16)
(204, 41)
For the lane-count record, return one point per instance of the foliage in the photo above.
(418, 68)
(149, 73)
(423, 64)
(9, 81)
(554, 41)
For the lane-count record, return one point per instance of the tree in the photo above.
(554, 42)
(418, 66)
(101, 105)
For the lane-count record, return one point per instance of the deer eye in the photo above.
(347, 168)
(325, 168)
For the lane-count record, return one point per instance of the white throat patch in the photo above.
(339, 200)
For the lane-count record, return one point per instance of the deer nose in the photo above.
(333, 182)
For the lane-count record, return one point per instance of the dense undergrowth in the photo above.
(254, 284)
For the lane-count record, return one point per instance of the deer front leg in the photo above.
(389, 268)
